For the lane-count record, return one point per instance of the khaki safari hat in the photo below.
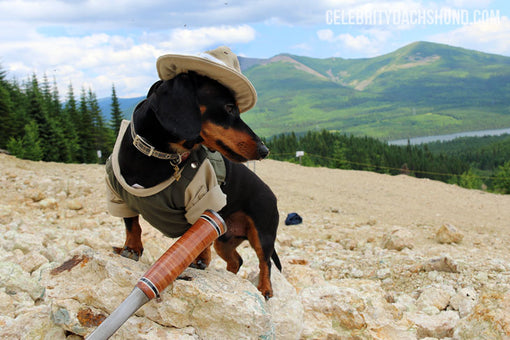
(220, 64)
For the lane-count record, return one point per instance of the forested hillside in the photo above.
(418, 90)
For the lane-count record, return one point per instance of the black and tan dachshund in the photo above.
(180, 114)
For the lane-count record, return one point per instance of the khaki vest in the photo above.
(171, 206)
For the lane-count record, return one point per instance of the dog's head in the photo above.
(194, 109)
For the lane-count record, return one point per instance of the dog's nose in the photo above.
(262, 150)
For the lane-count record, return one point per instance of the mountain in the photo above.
(420, 89)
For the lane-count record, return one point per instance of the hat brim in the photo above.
(170, 65)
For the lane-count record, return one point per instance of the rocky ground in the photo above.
(376, 257)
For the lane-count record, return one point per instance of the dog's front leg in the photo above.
(133, 247)
(203, 260)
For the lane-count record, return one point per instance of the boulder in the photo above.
(439, 325)
(210, 303)
(448, 233)
(489, 318)
(398, 239)
(351, 309)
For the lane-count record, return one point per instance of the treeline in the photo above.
(335, 150)
(36, 125)
(485, 153)
(488, 158)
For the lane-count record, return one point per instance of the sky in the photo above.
(94, 44)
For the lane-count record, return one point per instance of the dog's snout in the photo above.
(262, 150)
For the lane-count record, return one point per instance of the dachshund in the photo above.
(182, 115)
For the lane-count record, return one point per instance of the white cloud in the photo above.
(490, 36)
(195, 40)
(469, 3)
(98, 60)
(326, 35)
(368, 44)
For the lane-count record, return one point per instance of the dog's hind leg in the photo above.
(133, 247)
(264, 257)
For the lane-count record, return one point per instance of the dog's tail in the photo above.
(276, 260)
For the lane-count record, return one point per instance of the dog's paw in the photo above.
(266, 291)
(198, 264)
(267, 295)
(128, 253)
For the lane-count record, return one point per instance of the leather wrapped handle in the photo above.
(182, 253)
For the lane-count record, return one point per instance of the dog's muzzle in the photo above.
(262, 150)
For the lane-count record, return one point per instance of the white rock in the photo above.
(448, 233)
(490, 317)
(74, 204)
(209, 302)
(437, 326)
(32, 261)
(352, 307)
(330, 305)
(398, 239)
(442, 263)
(438, 297)
(49, 203)
(464, 301)
(14, 280)
(33, 323)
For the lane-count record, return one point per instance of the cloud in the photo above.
(97, 43)
(490, 35)
(469, 3)
(195, 40)
(98, 60)
(369, 44)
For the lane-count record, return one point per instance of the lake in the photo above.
(444, 138)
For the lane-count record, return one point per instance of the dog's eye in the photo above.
(230, 108)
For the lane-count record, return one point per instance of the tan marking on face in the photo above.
(238, 142)
(178, 147)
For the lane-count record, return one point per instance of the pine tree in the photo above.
(502, 180)
(36, 111)
(6, 119)
(19, 109)
(31, 143)
(29, 146)
(116, 113)
(102, 138)
(85, 131)
(70, 124)
(47, 96)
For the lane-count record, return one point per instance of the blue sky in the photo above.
(94, 44)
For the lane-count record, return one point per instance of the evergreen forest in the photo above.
(37, 125)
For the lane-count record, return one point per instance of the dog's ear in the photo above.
(154, 87)
(176, 106)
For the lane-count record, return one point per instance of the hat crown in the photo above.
(220, 64)
(226, 56)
